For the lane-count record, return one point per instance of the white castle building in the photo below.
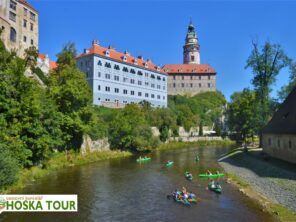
(117, 79)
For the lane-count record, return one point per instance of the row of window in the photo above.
(132, 92)
(279, 143)
(12, 6)
(131, 81)
(25, 22)
(25, 40)
(125, 69)
(191, 77)
(117, 101)
(13, 36)
(189, 85)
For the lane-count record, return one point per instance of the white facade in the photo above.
(117, 83)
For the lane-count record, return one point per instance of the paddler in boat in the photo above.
(218, 185)
(212, 184)
(209, 173)
(191, 195)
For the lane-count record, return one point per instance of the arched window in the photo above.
(12, 35)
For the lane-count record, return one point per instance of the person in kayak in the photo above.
(212, 184)
(209, 173)
(185, 196)
(191, 195)
(218, 185)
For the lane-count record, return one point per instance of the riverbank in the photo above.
(270, 184)
(60, 160)
(181, 145)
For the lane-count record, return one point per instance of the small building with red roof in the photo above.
(191, 77)
(117, 79)
(45, 64)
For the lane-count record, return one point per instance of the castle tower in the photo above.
(191, 53)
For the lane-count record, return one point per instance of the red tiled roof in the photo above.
(140, 62)
(42, 56)
(24, 2)
(52, 65)
(188, 68)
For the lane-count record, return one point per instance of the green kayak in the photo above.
(169, 163)
(139, 160)
(188, 176)
(211, 175)
(215, 189)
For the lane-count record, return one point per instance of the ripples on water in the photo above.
(123, 190)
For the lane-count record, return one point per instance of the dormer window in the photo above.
(140, 73)
(125, 69)
(124, 58)
(116, 67)
(108, 65)
(158, 68)
(107, 53)
(146, 65)
(136, 62)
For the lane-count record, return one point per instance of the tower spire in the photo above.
(191, 54)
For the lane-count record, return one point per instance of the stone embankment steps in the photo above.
(275, 183)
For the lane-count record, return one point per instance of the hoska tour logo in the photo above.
(38, 203)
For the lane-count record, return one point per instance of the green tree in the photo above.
(67, 56)
(72, 96)
(200, 131)
(165, 120)
(242, 114)
(266, 62)
(31, 55)
(285, 90)
(8, 168)
(129, 130)
(29, 124)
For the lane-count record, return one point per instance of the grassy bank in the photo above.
(278, 211)
(58, 161)
(181, 145)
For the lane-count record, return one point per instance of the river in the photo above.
(123, 190)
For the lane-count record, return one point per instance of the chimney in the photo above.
(95, 42)
(141, 57)
(127, 53)
(111, 47)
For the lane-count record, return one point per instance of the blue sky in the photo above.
(157, 29)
